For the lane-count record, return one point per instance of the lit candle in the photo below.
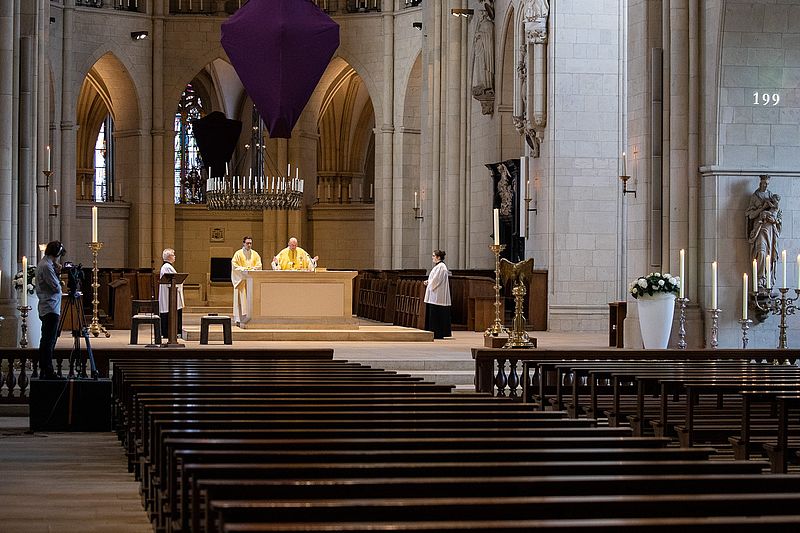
(94, 223)
(289, 169)
(624, 164)
(744, 296)
(24, 281)
(681, 273)
(768, 268)
(755, 275)
(528, 189)
(415, 200)
(714, 285)
(296, 172)
(226, 169)
(496, 227)
(48, 157)
(783, 260)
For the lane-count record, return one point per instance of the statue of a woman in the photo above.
(483, 56)
(764, 229)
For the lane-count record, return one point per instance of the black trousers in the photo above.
(165, 324)
(47, 344)
(437, 320)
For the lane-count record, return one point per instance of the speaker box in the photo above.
(70, 405)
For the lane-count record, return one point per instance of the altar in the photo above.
(286, 299)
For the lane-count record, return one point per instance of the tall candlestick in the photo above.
(714, 285)
(496, 227)
(94, 223)
(755, 275)
(744, 296)
(48, 158)
(681, 273)
(24, 281)
(624, 164)
(783, 260)
(768, 268)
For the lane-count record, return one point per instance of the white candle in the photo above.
(48, 157)
(370, 190)
(744, 296)
(119, 189)
(624, 164)
(226, 169)
(783, 260)
(755, 275)
(415, 200)
(528, 190)
(42, 248)
(496, 227)
(296, 172)
(768, 268)
(681, 272)
(24, 281)
(714, 285)
(94, 223)
(289, 169)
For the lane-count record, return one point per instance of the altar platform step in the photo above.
(365, 333)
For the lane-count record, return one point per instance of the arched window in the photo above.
(103, 163)
(189, 187)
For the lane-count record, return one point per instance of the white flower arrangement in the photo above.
(17, 281)
(655, 282)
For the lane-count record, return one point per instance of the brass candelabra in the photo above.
(95, 327)
(518, 337)
(497, 328)
(23, 311)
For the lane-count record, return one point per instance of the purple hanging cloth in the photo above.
(280, 49)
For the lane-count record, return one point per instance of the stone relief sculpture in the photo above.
(764, 229)
(530, 116)
(483, 60)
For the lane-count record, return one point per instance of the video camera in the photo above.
(75, 276)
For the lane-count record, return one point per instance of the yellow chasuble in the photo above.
(240, 263)
(297, 259)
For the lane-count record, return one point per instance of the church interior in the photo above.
(610, 183)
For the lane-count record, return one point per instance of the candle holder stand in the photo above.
(714, 327)
(518, 337)
(23, 311)
(497, 328)
(781, 305)
(47, 174)
(95, 327)
(625, 189)
(528, 209)
(682, 323)
(745, 324)
(417, 211)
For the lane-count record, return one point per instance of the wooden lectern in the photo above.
(173, 280)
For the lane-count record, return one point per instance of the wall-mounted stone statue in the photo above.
(764, 229)
(530, 104)
(483, 60)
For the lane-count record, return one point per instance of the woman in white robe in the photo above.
(437, 298)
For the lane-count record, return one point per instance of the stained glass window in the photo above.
(189, 187)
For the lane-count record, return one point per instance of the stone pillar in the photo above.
(155, 207)
(25, 151)
(389, 255)
(42, 113)
(8, 259)
(67, 168)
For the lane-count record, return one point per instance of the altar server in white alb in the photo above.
(437, 298)
(243, 260)
(168, 255)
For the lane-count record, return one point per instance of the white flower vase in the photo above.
(34, 323)
(655, 318)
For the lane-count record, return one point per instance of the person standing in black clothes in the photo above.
(48, 289)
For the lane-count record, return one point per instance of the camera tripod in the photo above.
(76, 362)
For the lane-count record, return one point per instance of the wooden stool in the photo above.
(224, 321)
(138, 320)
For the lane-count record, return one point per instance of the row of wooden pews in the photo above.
(735, 402)
(327, 445)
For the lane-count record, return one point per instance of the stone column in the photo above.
(25, 150)
(8, 259)
(450, 204)
(42, 114)
(155, 207)
(390, 236)
(67, 168)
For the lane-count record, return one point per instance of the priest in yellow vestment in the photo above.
(293, 258)
(244, 259)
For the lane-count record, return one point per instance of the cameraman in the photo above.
(48, 289)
